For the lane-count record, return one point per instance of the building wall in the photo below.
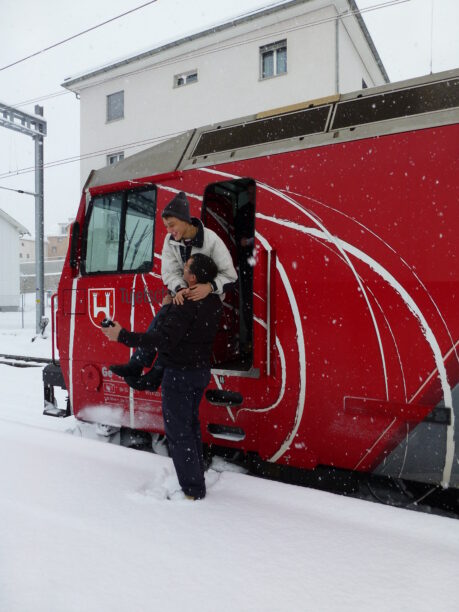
(229, 83)
(52, 275)
(9, 266)
(353, 60)
(57, 246)
(26, 249)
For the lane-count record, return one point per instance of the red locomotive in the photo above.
(339, 346)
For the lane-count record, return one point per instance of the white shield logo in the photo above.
(101, 305)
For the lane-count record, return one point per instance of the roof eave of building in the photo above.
(353, 7)
(70, 82)
(17, 226)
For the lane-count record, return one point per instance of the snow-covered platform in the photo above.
(86, 526)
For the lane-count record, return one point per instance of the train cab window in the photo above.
(119, 233)
(229, 210)
(139, 231)
(103, 235)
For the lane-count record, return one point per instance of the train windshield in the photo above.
(119, 233)
(229, 210)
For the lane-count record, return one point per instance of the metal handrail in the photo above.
(53, 327)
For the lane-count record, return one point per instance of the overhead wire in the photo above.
(125, 146)
(75, 158)
(99, 25)
(41, 98)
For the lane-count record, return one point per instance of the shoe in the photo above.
(149, 381)
(126, 369)
(195, 497)
(180, 495)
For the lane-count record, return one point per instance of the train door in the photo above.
(117, 253)
(229, 210)
(249, 364)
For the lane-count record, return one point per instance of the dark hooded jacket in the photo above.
(186, 335)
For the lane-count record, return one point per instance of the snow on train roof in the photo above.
(162, 158)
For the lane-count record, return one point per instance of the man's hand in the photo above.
(180, 296)
(112, 332)
(199, 291)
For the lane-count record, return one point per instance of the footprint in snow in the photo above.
(166, 486)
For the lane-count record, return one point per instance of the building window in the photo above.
(115, 106)
(364, 85)
(273, 59)
(114, 158)
(27, 256)
(20, 255)
(186, 78)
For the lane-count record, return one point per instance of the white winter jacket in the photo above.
(175, 254)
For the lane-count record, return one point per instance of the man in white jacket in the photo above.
(185, 237)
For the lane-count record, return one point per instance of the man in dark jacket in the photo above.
(184, 342)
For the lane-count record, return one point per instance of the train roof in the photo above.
(413, 104)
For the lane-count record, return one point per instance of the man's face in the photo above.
(189, 278)
(175, 227)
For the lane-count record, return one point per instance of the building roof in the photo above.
(17, 226)
(70, 82)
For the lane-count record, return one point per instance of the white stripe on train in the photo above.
(381, 271)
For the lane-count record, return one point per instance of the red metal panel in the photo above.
(123, 185)
(366, 289)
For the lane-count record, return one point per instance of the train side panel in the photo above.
(356, 281)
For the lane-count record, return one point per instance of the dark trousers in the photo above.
(182, 391)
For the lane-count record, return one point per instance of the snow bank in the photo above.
(83, 527)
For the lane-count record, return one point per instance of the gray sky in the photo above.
(409, 42)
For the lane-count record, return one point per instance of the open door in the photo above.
(229, 210)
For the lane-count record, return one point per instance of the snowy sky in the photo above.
(413, 37)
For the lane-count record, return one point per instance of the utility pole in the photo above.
(39, 230)
(34, 126)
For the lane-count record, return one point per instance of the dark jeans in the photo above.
(182, 391)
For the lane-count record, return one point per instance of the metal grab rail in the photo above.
(53, 326)
(270, 293)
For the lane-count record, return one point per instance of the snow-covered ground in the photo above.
(18, 340)
(86, 526)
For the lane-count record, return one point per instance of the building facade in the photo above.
(55, 247)
(57, 244)
(288, 53)
(26, 249)
(9, 261)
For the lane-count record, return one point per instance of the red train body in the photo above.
(354, 296)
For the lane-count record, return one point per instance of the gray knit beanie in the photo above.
(178, 207)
